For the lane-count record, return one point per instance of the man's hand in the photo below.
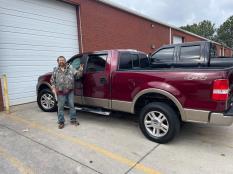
(81, 67)
(54, 90)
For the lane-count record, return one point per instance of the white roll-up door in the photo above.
(177, 39)
(33, 33)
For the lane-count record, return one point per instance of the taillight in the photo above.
(220, 90)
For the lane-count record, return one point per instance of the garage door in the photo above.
(33, 33)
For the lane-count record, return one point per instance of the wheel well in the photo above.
(154, 97)
(43, 86)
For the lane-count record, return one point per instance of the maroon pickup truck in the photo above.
(162, 97)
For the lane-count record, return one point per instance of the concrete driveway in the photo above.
(30, 142)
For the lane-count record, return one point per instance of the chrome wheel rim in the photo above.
(47, 101)
(156, 124)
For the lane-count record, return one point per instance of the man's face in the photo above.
(61, 62)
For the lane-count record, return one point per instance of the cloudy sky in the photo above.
(182, 12)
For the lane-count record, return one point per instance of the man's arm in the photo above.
(53, 81)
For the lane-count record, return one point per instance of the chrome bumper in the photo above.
(207, 117)
(220, 119)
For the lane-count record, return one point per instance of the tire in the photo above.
(46, 101)
(159, 122)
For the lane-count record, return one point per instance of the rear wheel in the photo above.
(159, 122)
(46, 101)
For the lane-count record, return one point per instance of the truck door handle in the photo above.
(103, 80)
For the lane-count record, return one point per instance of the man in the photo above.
(62, 81)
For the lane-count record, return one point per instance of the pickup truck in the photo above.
(162, 98)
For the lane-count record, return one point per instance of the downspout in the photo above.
(80, 29)
(170, 35)
(223, 51)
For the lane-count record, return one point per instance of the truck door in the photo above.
(96, 81)
(78, 86)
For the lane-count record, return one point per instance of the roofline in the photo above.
(120, 7)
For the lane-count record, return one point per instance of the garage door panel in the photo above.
(14, 101)
(25, 70)
(21, 80)
(18, 92)
(40, 52)
(36, 48)
(36, 24)
(25, 94)
(30, 57)
(21, 85)
(57, 43)
(33, 34)
(21, 88)
(35, 18)
(38, 41)
(52, 9)
(35, 73)
(24, 76)
(28, 50)
(12, 35)
(27, 63)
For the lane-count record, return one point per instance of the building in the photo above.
(33, 33)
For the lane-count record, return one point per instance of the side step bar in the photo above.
(95, 111)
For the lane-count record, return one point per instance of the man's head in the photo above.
(61, 60)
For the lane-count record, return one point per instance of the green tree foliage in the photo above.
(205, 28)
(225, 32)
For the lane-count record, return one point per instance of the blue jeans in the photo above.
(61, 99)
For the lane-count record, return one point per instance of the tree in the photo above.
(225, 32)
(205, 28)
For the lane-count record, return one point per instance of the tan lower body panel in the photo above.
(121, 106)
(104, 103)
(78, 100)
(97, 102)
(199, 116)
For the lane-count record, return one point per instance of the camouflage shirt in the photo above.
(63, 81)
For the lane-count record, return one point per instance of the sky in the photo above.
(181, 12)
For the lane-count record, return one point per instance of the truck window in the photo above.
(213, 51)
(135, 60)
(163, 55)
(129, 61)
(144, 61)
(76, 63)
(190, 52)
(96, 62)
(125, 61)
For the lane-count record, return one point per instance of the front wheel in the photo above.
(46, 101)
(159, 122)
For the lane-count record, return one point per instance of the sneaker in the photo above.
(61, 125)
(74, 122)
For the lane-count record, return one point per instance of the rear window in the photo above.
(125, 61)
(144, 61)
(190, 52)
(130, 61)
